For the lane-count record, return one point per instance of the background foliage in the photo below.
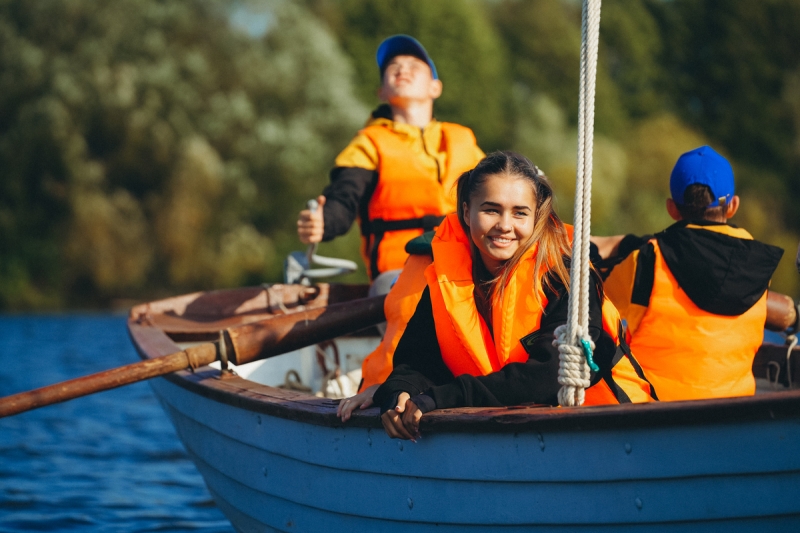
(149, 147)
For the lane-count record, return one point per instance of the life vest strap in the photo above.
(379, 227)
(645, 275)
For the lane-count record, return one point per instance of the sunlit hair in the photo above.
(548, 230)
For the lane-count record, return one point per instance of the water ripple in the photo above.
(110, 462)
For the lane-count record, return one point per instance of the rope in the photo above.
(791, 341)
(573, 341)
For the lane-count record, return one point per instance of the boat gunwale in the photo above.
(233, 390)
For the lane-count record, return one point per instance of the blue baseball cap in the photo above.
(704, 166)
(402, 45)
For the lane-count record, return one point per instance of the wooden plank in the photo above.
(285, 333)
(229, 302)
(319, 411)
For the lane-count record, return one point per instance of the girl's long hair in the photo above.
(548, 230)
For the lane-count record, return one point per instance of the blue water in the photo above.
(106, 462)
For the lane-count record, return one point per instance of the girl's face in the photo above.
(500, 216)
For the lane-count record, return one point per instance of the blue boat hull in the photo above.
(280, 460)
(275, 474)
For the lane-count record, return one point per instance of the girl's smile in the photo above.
(501, 218)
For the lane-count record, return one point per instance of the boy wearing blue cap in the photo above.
(695, 295)
(397, 175)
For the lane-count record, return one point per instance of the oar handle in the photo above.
(284, 333)
(781, 312)
(193, 357)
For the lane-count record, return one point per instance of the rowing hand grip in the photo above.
(312, 206)
(334, 266)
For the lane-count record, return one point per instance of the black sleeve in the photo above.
(627, 246)
(631, 243)
(346, 197)
(536, 380)
(417, 363)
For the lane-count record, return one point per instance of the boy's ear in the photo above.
(733, 207)
(672, 209)
(435, 89)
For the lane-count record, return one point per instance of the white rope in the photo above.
(573, 372)
(791, 341)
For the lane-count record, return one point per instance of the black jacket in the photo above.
(419, 368)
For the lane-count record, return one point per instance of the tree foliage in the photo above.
(730, 63)
(152, 146)
(460, 38)
(149, 147)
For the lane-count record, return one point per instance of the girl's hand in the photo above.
(362, 400)
(402, 422)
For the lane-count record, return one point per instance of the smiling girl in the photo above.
(497, 288)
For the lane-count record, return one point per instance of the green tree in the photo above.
(543, 38)
(460, 38)
(632, 46)
(153, 146)
(729, 65)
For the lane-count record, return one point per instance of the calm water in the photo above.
(106, 462)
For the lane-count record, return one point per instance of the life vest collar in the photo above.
(433, 127)
(453, 253)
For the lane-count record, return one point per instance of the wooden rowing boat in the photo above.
(279, 460)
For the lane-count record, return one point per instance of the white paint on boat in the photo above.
(273, 372)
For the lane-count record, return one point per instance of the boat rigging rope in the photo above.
(574, 344)
(791, 342)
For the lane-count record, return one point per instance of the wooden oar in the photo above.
(243, 344)
(781, 312)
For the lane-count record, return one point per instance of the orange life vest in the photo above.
(688, 353)
(399, 307)
(408, 198)
(466, 344)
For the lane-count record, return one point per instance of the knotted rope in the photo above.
(573, 341)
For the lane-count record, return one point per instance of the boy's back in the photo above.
(694, 296)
